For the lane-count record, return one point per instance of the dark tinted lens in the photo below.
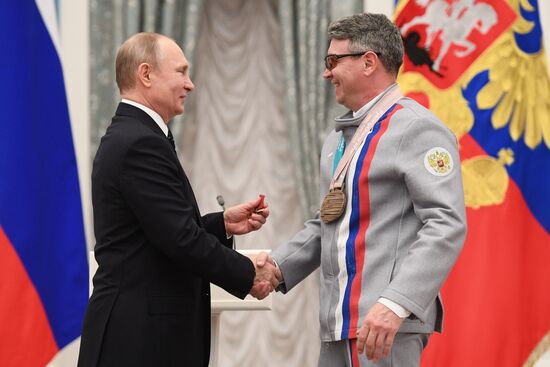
(330, 61)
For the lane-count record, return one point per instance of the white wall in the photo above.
(75, 50)
(75, 47)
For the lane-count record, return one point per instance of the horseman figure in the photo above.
(452, 23)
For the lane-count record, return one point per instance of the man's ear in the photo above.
(371, 62)
(144, 74)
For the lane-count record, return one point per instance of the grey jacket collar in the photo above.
(348, 121)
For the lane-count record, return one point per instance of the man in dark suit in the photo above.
(156, 254)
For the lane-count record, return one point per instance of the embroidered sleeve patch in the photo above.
(438, 161)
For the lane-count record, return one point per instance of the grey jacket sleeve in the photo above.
(300, 256)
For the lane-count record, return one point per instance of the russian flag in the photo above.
(492, 89)
(43, 265)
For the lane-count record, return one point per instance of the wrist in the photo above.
(396, 308)
(228, 233)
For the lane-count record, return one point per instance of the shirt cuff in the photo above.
(282, 282)
(396, 308)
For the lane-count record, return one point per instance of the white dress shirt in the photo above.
(155, 116)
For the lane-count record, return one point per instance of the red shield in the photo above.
(443, 37)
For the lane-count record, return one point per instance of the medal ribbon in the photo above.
(339, 153)
(380, 107)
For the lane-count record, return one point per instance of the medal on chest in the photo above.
(334, 205)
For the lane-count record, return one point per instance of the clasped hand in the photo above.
(245, 218)
(268, 276)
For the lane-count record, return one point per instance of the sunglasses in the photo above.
(332, 60)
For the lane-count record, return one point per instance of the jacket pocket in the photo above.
(169, 305)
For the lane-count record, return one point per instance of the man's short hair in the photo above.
(140, 48)
(371, 32)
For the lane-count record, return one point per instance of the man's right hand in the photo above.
(268, 276)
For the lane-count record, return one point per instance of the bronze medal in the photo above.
(333, 206)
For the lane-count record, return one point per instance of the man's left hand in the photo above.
(377, 332)
(245, 218)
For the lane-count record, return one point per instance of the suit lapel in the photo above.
(125, 109)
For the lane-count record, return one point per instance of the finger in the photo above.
(274, 282)
(378, 347)
(260, 290)
(262, 258)
(278, 274)
(387, 345)
(254, 291)
(245, 208)
(263, 291)
(370, 343)
(255, 225)
(266, 289)
(271, 277)
(258, 218)
(361, 337)
(262, 295)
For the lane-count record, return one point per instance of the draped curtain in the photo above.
(307, 99)
(235, 143)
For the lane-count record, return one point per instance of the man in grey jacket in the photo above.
(394, 223)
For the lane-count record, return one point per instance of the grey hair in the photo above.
(371, 32)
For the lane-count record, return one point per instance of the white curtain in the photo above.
(235, 143)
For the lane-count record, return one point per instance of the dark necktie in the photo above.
(171, 139)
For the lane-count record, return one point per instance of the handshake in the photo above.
(268, 276)
(245, 218)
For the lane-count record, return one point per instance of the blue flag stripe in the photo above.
(40, 207)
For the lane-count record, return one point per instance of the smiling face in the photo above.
(170, 81)
(347, 76)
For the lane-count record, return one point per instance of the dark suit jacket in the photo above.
(156, 254)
